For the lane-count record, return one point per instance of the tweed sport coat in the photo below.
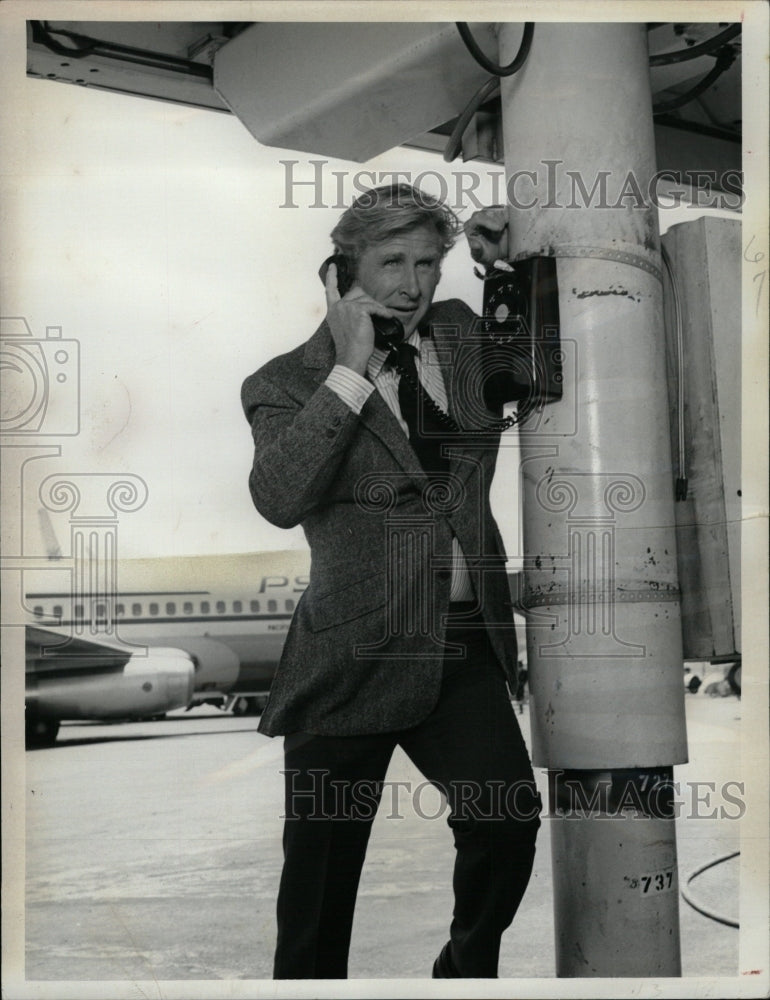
(365, 648)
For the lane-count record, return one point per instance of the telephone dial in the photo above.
(388, 331)
(521, 315)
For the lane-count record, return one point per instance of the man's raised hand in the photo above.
(350, 323)
(487, 235)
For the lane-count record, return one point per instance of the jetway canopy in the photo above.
(355, 89)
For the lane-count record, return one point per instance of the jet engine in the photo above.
(151, 682)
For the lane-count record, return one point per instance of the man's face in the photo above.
(402, 273)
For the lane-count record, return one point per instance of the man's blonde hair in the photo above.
(384, 212)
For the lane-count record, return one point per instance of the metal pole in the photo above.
(604, 634)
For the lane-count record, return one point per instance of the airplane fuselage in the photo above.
(92, 653)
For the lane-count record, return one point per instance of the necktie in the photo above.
(427, 429)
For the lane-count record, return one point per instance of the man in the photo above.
(405, 633)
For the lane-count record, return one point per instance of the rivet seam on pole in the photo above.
(619, 256)
(557, 597)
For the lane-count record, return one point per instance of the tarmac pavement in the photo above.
(154, 851)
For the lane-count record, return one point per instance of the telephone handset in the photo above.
(388, 331)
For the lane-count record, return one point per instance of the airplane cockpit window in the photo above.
(153, 608)
(170, 608)
(272, 605)
(220, 607)
(188, 607)
(254, 605)
(237, 607)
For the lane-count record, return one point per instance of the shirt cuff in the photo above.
(351, 387)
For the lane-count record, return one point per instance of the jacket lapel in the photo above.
(377, 417)
(446, 340)
(447, 331)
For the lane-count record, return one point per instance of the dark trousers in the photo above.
(471, 748)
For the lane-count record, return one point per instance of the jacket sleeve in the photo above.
(298, 447)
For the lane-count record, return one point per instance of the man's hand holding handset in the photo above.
(349, 319)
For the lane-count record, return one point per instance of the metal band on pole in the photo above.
(649, 263)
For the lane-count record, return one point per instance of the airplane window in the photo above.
(38, 611)
(220, 607)
(254, 607)
(120, 610)
(57, 610)
(188, 608)
(205, 607)
(272, 605)
(101, 612)
(78, 610)
(289, 605)
(170, 608)
(136, 610)
(153, 608)
(237, 607)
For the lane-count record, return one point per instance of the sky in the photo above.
(163, 239)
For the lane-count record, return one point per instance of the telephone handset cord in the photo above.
(497, 427)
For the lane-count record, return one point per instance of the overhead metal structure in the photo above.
(176, 61)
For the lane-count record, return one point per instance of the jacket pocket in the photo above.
(352, 599)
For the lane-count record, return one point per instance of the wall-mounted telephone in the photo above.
(388, 331)
(521, 314)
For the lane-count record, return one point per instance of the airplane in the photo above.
(178, 632)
